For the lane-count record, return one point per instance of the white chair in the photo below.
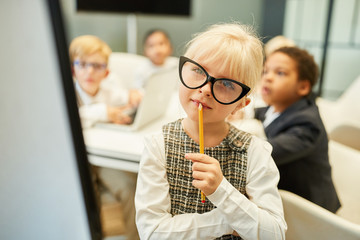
(347, 133)
(346, 107)
(345, 163)
(307, 220)
(124, 65)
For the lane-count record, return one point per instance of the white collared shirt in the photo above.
(260, 216)
(270, 116)
(93, 109)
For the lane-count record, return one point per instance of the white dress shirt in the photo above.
(260, 216)
(270, 116)
(93, 109)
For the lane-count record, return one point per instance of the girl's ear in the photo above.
(304, 88)
(242, 103)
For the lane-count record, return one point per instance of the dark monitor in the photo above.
(45, 182)
(162, 7)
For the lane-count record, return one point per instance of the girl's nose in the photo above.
(206, 89)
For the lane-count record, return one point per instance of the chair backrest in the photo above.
(351, 95)
(345, 163)
(347, 133)
(124, 66)
(345, 108)
(307, 220)
(349, 102)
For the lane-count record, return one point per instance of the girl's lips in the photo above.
(196, 102)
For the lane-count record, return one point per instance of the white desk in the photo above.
(122, 150)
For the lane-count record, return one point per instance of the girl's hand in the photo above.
(207, 173)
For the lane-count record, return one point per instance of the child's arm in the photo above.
(135, 97)
(117, 115)
(152, 202)
(297, 139)
(260, 216)
(100, 112)
(92, 113)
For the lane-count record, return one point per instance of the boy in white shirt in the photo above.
(103, 101)
(99, 100)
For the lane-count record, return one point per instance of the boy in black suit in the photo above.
(294, 128)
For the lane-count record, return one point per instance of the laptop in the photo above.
(158, 91)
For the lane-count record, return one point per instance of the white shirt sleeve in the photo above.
(94, 108)
(112, 91)
(259, 217)
(93, 113)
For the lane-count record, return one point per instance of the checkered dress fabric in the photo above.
(231, 153)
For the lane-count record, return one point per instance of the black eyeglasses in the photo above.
(225, 91)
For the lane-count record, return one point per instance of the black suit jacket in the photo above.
(300, 150)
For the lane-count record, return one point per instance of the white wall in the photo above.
(305, 22)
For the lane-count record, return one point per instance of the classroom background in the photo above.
(305, 21)
(41, 192)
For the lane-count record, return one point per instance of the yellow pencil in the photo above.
(201, 140)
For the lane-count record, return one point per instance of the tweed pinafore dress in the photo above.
(231, 153)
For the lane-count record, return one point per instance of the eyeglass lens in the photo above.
(224, 90)
(95, 66)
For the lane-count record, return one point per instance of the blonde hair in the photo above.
(86, 45)
(234, 47)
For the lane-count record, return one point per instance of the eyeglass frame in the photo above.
(87, 64)
(211, 79)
